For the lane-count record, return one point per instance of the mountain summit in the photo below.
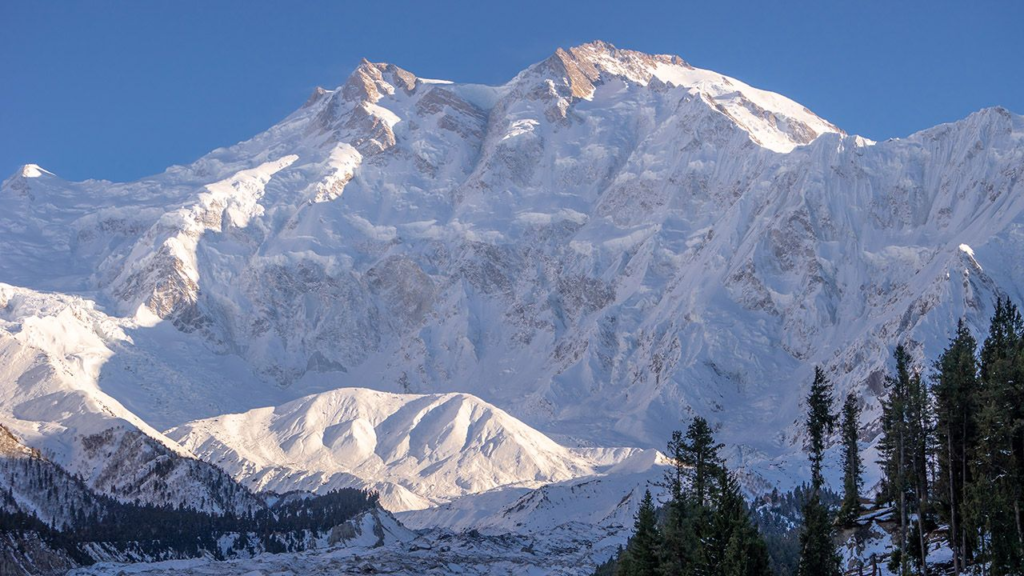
(772, 121)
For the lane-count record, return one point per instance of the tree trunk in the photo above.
(921, 538)
(984, 565)
(920, 460)
(1016, 516)
(963, 487)
(952, 503)
(902, 475)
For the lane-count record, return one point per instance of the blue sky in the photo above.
(120, 90)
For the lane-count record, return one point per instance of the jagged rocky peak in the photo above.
(364, 110)
(352, 113)
(370, 81)
(772, 121)
(584, 64)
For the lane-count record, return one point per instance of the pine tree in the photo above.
(706, 530)
(700, 454)
(677, 474)
(680, 539)
(689, 518)
(894, 449)
(683, 550)
(994, 504)
(919, 429)
(955, 389)
(818, 555)
(905, 447)
(820, 422)
(852, 465)
(741, 548)
(642, 556)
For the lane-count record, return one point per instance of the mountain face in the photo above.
(51, 350)
(601, 248)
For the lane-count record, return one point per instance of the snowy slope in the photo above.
(51, 350)
(602, 247)
(603, 504)
(415, 450)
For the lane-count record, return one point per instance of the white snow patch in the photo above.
(34, 171)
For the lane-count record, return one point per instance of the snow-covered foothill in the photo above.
(415, 450)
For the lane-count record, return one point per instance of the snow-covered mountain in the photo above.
(595, 251)
(51, 350)
(415, 450)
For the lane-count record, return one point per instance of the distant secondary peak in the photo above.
(995, 115)
(19, 184)
(32, 171)
(983, 126)
(315, 97)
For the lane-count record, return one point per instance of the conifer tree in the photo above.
(677, 474)
(688, 523)
(818, 555)
(919, 443)
(955, 389)
(820, 422)
(922, 444)
(680, 539)
(741, 548)
(706, 529)
(642, 556)
(905, 446)
(700, 454)
(895, 451)
(994, 505)
(682, 546)
(852, 465)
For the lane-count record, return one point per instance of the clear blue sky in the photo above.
(120, 90)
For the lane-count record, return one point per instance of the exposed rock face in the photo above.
(11, 447)
(28, 554)
(135, 468)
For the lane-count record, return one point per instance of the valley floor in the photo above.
(563, 553)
